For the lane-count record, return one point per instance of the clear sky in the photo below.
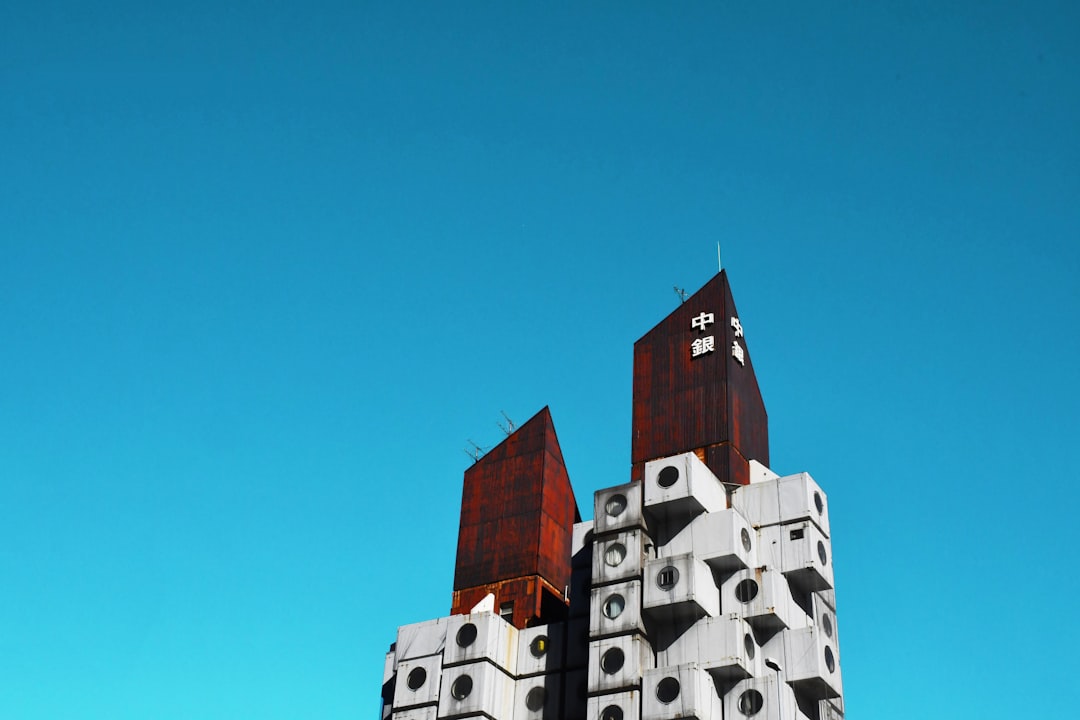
(267, 267)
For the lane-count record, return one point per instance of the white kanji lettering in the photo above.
(738, 327)
(738, 353)
(702, 321)
(702, 345)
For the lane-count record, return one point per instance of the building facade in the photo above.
(702, 588)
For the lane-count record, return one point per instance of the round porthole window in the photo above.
(615, 505)
(748, 644)
(830, 661)
(613, 606)
(612, 661)
(821, 553)
(745, 535)
(461, 687)
(826, 624)
(818, 502)
(667, 578)
(668, 476)
(538, 646)
(534, 699)
(751, 702)
(416, 679)
(615, 554)
(612, 712)
(667, 690)
(466, 636)
(746, 591)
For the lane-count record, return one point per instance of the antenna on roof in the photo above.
(509, 427)
(719, 265)
(476, 452)
(681, 293)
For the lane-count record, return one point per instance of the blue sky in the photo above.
(265, 268)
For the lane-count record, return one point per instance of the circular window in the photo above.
(745, 535)
(746, 591)
(612, 661)
(751, 702)
(461, 687)
(416, 678)
(667, 690)
(615, 554)
(748, 643)
(826, 624)
(821, 553)
(615, 505)
(612, 712)
(466, 636)
(667, 578)
(818, 502)
(830, 661)
(534, 699)
(668, 476)
(538, 646)
(613, 606)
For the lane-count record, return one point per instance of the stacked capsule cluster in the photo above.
(710, 602)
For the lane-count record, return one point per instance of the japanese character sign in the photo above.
(702, 345)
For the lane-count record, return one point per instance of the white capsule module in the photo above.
(538, 697)
(481, 636)
(420, 639)
(788, 499)
(724, 540)
(541, 649)
(619, 556)
(616, 610)
(618, 508)
(617, 663)
(477, 688)
(625, 705)
(825, 618)
(680, 691)
(428, 712)
(581, 542)
(723, 646)
(679, 488)
(800, 551)
(417, 682)
(831, 709)
(763, 599)
(764, 698)
(810, 660)
(679, 588)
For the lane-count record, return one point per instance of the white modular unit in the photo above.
(723, 646)
(616, 610)
(617, 663)
(581, 544)
(825, 618)
(681, 487)
(541, 649)
(538, 697)
(481, 636)
(811, 662)
(788, 499)
(618, 508)
(724, 539)
(428, 712)
(577, 642)
(764, 698)
(679, 588)
(763, 599)
(680, 691)
(620, 556)
(760, 473)
(625, 705)
(831, 709)
(477, 688)
(575, 694)
(420, 639)
(389, 666)
(417, 682)
(799, 550)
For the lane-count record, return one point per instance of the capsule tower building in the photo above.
(702, 588)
